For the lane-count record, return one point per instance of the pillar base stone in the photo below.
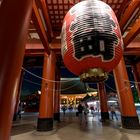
(45, 124)
(44, 133)
(130, 122)
(104, 116)
(15, 117)
(57, 116)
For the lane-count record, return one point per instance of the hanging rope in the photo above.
(45, 78)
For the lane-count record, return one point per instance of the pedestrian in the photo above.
(92, 110)
(80, 112)
(86, 111)
(19, 110)
(113, 112)
(64, 108)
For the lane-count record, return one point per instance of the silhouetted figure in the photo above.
(86, 111)
(113, 112)
(64, 108)
(80, 112)
(92, 110)
(19, 110)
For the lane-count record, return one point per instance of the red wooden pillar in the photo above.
(103, 101)
(45, 120)
(128, 110)
(57, 99)
(136, 78)
(14, 22)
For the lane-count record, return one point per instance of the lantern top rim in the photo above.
(94, 75)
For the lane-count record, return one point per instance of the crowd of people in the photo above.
(83, 109)
(64, 108)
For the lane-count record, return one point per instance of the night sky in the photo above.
(31, 84)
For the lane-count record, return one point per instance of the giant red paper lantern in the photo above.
(91, 40)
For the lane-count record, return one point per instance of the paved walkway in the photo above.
(70, 129)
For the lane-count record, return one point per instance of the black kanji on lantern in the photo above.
(93, 33)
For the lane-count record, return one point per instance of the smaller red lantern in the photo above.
(91, 40)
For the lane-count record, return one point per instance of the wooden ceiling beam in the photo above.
(132, 51)
(27, 53)
(134, 4)
(40, 28)
(132, 33)
(122, 8)
(44, 8)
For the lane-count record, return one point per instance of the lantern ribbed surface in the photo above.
(91, 37)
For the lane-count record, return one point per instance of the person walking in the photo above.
(64, 108)
(19, 110)
(113, 112)
(86, 111)
(92, 110)
(80, 112)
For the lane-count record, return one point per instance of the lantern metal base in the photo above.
(94, 75)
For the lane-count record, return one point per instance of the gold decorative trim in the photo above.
(94, 75)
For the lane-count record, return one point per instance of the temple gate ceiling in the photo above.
(47, 19)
